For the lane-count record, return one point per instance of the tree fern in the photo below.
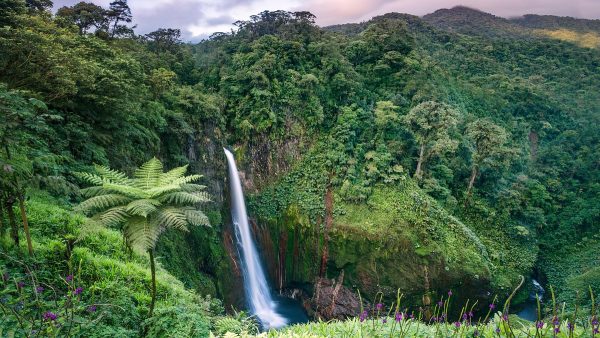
(148, 175)
(144, 206)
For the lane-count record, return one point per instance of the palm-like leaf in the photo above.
(173, 174)
(111, 175)
(142, 207)
(148, 175)
(184, 198)
(145, 205)
(102, 202)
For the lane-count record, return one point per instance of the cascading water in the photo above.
(258, 294)
(529, 308)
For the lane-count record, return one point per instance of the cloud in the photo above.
(199, 18)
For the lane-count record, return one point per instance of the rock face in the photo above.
(332, 300)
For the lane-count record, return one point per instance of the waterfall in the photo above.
(538, 291)
(258, 294)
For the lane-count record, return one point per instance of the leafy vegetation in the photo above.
(454, 151)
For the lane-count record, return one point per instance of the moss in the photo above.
(382, 244)
(116, 280)
(573, 268)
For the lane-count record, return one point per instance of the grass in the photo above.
(113, 280)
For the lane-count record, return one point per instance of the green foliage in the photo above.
(354, 106)
(431, 123)
(113, 280)
(177, 321)
(146, 205)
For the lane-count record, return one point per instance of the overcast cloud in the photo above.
(197, 19)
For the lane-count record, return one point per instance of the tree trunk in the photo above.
(420, 162)
(2, 228)
(471, 183)
(153, 274)
(25, 224)
(328, 224)
(14, 229)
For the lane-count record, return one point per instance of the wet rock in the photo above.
(332, 300)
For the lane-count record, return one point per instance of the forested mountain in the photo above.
(457, 151)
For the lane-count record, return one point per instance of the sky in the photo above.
(197, 19)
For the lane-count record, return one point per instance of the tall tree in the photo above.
(144, 206)
(84, 15)
(431, 123)
(488, 142)
(164, 39)
(119, 12)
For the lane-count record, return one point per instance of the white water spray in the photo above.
(257, 290)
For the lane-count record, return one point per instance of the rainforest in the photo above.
(404, 176)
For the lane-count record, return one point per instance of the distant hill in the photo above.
(557, 22)
(471, 21)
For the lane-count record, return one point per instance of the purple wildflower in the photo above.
(379, 306)
(557, 330)
(398, 316)
(476, 333)
(497, 329)
(505, 317)
(555, 321)
(471, 314)
(465, 316)
(492, 306)
(363, 316)
(412, 316)
(78, 291)
(539, 324)
(91, 308)
(50, 316)
(384, 320)
(457, 324)
(69, 278)
(571, 326)
(20, 284)
(449, 293)
(39, 289)
(440, 303)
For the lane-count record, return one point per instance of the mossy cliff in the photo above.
(398, 238)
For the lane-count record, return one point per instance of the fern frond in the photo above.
(113, 216)
(142, 207)
(103, 202)
(172, 218)
(196, 218)
(93, 191)
(191, 187)
(186, 179)
(140, 234)
(148, 175)
(161, 190)
(112, 175)
(89, 178)
(173, 174)
(126, 190)
(183, 198)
